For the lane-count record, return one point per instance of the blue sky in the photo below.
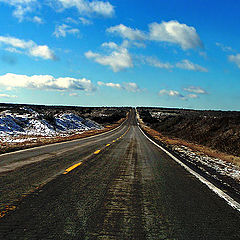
(176, 53)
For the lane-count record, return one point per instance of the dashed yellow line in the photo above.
(97, 152)
(72, 167)
(6, 210)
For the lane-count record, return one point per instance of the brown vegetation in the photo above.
(216, 134)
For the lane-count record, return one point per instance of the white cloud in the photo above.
(27, 47)
(71, 20)
(187, 65)
(21, 7)
(194, 89)
(102, 8)
(192, 96)
(12, 50)
(63, 30)
(224, 48)
(174, 93)
(3, 95)
(86, 7)
(118, 59)
(127, 32)
(156, 63)
(91, 54)
(11, 80)
(85, 21)
(235, 59)
(37, 19)
(16, 43)
(42, 52)
(130, 86)
(175, 32)
(112, 85)
(171, 93)
(112, 45)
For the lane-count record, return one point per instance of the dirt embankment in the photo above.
(218, 130)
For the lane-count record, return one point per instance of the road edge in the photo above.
(230, 201)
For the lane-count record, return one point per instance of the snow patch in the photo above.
(14, 126)
(222, 167)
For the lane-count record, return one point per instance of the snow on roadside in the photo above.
(197, 158)
(21, 127)
(222, 167)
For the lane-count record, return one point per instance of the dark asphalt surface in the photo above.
(130, 190)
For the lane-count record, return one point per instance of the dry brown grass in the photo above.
(40, 140)
(195, 147)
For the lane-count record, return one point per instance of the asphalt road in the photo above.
(129, 189)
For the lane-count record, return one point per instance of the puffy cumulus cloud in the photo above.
(91, 54)
(11, 80)
(117, 60)
(175, 32)
(156, 63)
(102, 8)
(173, 93)
(112, 85)
(112, 45)
(21, 7)
(37, 19)
(187, 65)
(193, 89)
(3, 95)
(235, 59)
(42, 52)
(127, 32)
(16, 43)
(86, 7)
(170, 93)
(130, 86)
(27, 47)
(64, 29)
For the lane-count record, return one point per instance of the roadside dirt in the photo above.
(215, 133)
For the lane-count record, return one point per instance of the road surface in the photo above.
(88, 189)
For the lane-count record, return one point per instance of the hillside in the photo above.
(218, 130)
(26, 125)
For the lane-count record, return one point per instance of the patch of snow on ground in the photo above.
(222, 167)
(31, 123)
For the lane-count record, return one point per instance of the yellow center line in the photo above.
(72, 167)
(97, 152)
